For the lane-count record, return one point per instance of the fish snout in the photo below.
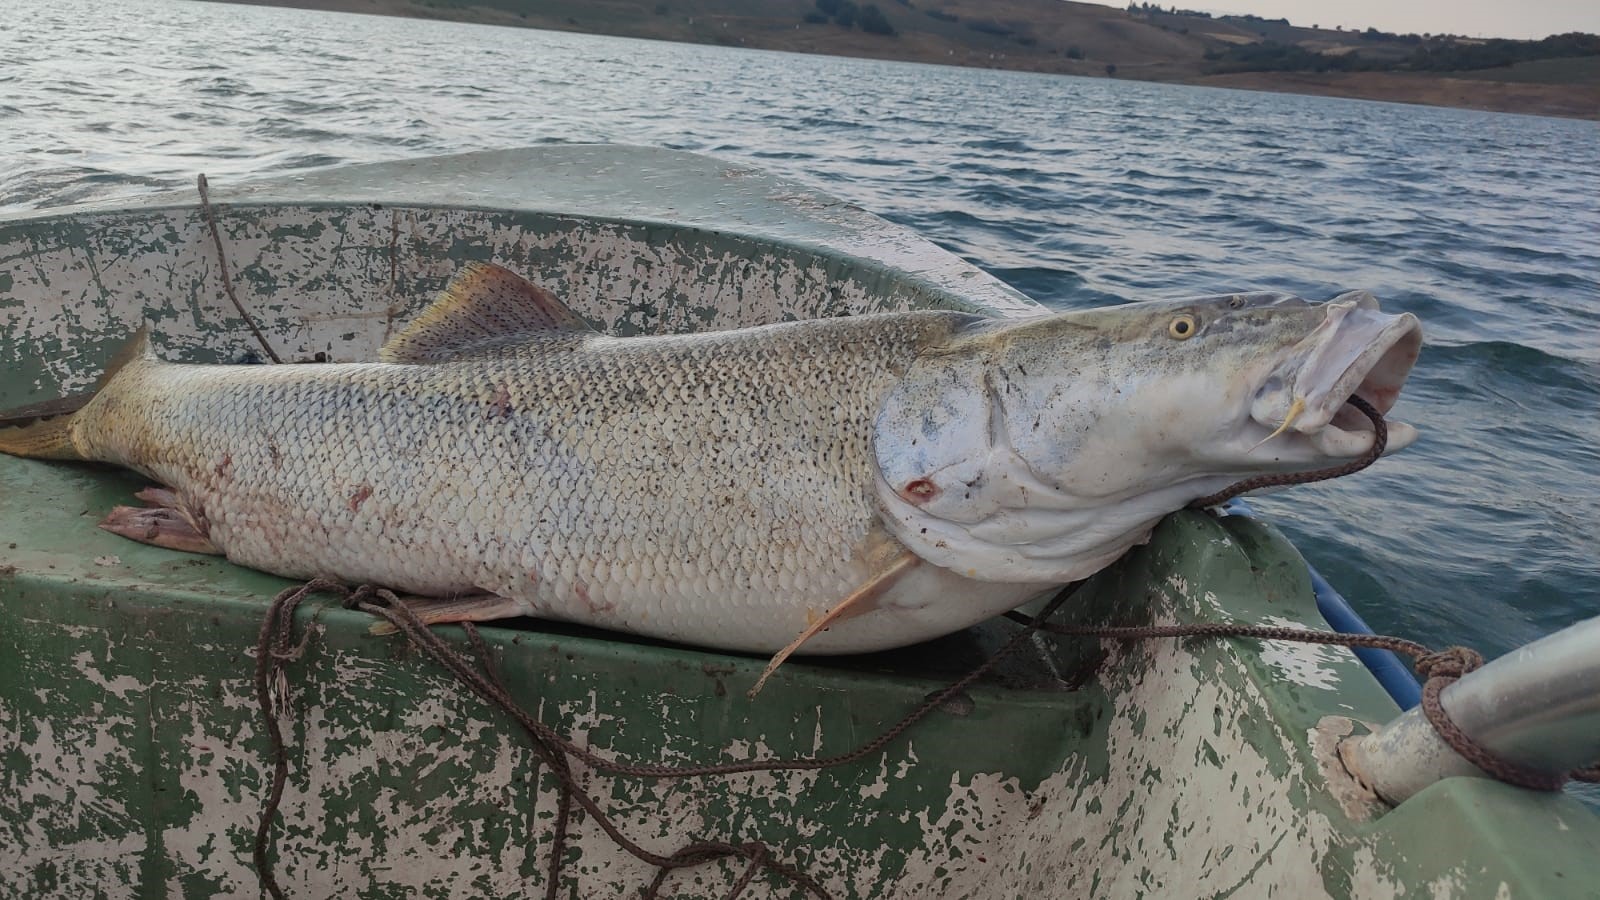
(1356, 351)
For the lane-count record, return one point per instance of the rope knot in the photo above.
(1450, 663)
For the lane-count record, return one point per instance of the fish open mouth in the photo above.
(1357, 351)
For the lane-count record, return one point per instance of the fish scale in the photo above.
(724, 504)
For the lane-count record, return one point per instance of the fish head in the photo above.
(1043, 449)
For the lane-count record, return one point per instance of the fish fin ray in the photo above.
(465, 608)
(484, 306)
(864, 599)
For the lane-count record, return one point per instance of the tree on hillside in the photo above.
(844, 12)
(873, 21)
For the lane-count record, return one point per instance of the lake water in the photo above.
(1077, 191)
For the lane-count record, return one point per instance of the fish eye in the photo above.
(1183, 327)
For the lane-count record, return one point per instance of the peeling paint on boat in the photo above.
(1355, 800)
(118, 686)
(337, 281)
(1087, 817)
(1308, 665)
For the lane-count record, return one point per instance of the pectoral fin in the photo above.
(165, 521)
(863, 599)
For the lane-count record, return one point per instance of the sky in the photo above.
(1472, 18)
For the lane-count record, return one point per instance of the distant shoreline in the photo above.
(1477, 91)
(1567, 101)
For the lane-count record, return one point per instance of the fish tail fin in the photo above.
(44, 430)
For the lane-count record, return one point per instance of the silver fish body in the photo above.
(926, 469)
(715, 489)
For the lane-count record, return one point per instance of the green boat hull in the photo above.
(135, 759)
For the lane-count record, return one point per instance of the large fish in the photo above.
(857, 483)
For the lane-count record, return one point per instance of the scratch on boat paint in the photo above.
(77, 632)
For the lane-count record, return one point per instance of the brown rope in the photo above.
(1439, 670)
(272, 652)
(222, 265)
(1380, 440)
(557, 751)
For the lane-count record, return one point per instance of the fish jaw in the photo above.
(1357, 351)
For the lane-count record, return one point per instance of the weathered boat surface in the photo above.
(135, 760)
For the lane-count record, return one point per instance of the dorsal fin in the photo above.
(136, 347)
(484, 306)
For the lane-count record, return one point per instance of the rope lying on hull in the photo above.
(276, 648)
(1438, 670)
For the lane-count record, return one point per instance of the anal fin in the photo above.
(861, 600)
(164, 522)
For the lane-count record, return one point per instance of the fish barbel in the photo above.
(854, 484)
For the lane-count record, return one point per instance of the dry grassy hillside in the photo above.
(1035, 35)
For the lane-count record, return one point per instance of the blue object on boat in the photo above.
(1385, 665)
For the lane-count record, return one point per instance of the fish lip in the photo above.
(1357, 351)
(1377, 372)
